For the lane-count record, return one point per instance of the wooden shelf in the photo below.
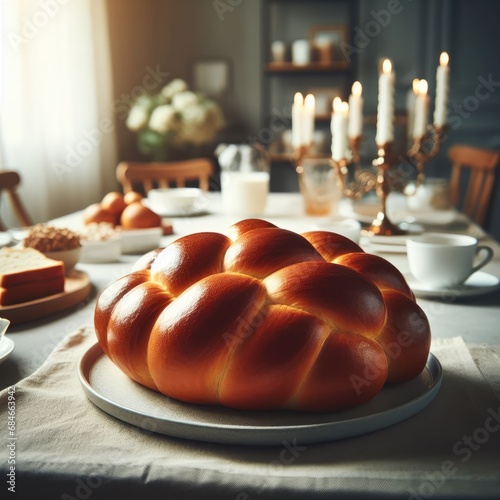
(315, 67)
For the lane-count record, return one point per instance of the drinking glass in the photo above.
(319, 186)
(244, 179)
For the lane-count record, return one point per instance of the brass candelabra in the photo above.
(386, 177)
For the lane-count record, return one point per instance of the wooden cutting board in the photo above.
(77, 287)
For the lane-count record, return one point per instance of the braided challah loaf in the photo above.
(264, 318)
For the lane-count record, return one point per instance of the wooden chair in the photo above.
(9, 180)
(482, 164)
(146, 176)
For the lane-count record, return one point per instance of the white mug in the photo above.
(301, 52)
(445, 260)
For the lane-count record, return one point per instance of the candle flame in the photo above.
(344, 108)
(415, 86)
(357, 89)
(444, 59)
(298, 99)
(337, 104)
(387, 66)
(309, 102)
(423, 87)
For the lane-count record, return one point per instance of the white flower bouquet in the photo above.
(174, 120)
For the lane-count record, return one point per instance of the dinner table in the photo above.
(61, 440)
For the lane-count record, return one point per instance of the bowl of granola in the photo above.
(55, 243)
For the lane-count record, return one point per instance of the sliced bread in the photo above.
(31, 291)
(20, 266)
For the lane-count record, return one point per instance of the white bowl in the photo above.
(135, 241)
(69, 257)
(100, 251)
(176, 201)
(19, 233)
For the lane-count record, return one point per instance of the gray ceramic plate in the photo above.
(113, 392)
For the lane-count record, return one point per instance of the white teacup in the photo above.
(177, 200)
(445, 260)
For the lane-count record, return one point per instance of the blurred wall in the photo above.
(165, 37)
(414, 38)
(154, 41)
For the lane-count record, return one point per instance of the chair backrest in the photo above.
(9, 180)
(482, 164)
(147, 176)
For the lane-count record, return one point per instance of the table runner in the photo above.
(67, 448)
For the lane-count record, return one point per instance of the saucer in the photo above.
(479, 283)
(6, 347)
(384, 244)
(5, 238)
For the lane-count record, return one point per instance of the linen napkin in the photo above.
(68, 448)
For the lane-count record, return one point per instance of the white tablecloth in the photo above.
(68, 448)
(64, 442)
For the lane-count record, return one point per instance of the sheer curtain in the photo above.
(56, 110)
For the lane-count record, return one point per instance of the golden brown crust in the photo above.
(95, 213)
(245, 225)
(113, 202)
(31, 291)
(136, 216)
(260, 252)
(349, 371)
(384, 274)
(192, 339)
(269, 363)
(331, 245)
(328, 291)
(405, 338)
(186, 261)
(264, 319)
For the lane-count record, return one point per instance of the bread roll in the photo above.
(132, 196)
(264, 319)
(137, 216)
(96, 213)
(114, 203)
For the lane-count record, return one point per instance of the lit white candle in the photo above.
(355, 126)
(385, 109)
(308, 120)
(297, 112)
(340, 117)
(442, 88)
(421, 110)
(410, 105)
